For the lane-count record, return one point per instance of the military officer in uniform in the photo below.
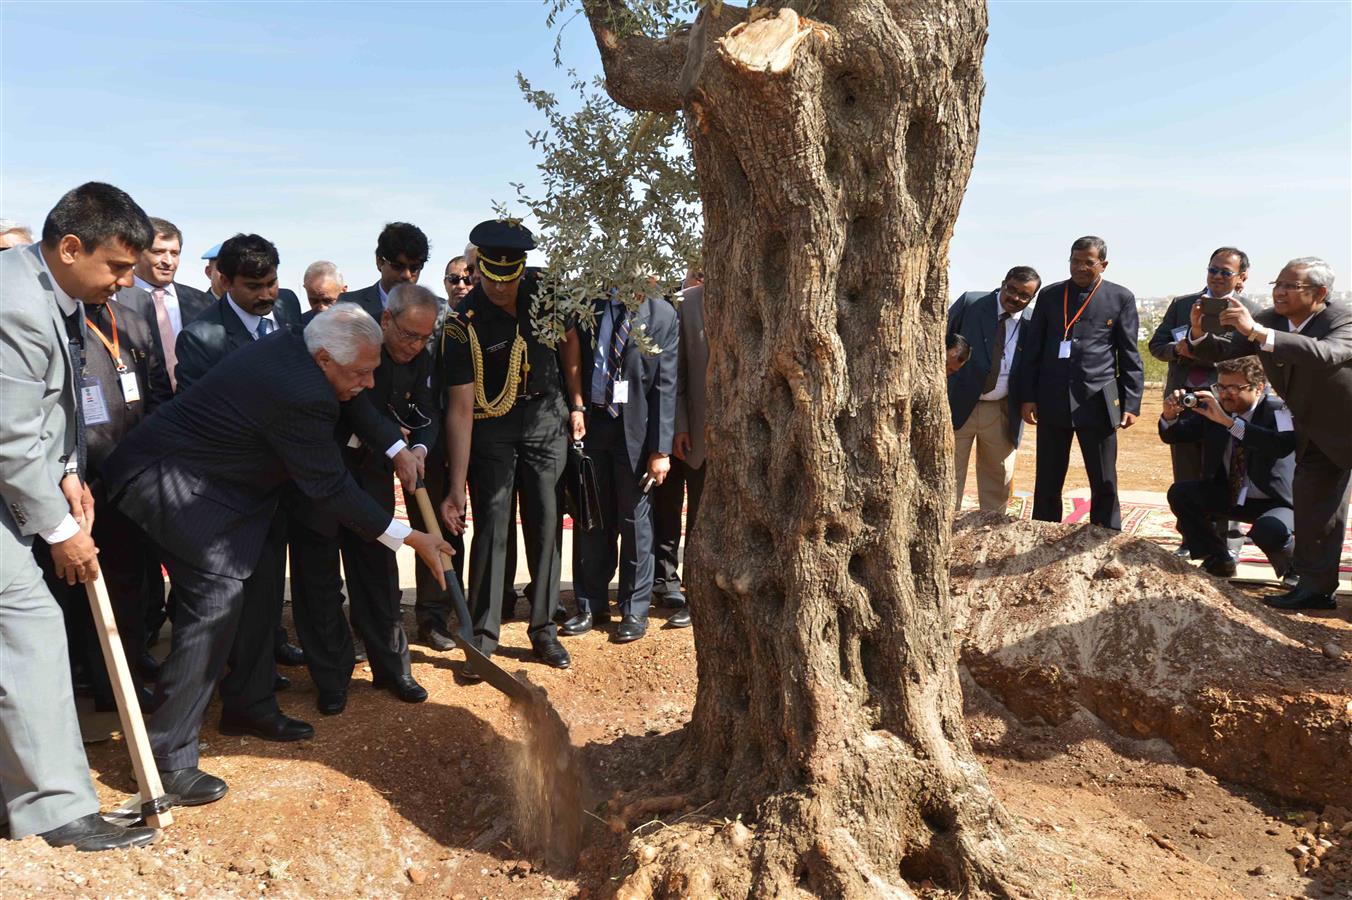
(506, 404)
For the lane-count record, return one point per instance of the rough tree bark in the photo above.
(832, 152)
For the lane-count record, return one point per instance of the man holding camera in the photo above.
(1247, 446)
(1305, 345)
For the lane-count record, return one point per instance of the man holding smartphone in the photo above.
(631, 422)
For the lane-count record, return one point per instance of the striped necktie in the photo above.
(618, 336)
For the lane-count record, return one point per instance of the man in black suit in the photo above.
(982, 394)
(203, 476)
(1082, 379)
(1248, 457)
(403, 393)
(1305, 343)
(173, 304)
(401, 252)
(631, 421)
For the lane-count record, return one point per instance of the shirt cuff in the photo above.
(1237, 429)
(63, 532)
(1169, 423)
(1269, 344)
(394, 534)
(394, 449)
(416, 446)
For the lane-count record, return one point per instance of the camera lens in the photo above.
(1189, 400)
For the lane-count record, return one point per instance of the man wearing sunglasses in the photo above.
(1247, 448)
(1305, 344)
(401, 253)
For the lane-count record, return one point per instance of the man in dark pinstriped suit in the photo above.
(203, 477)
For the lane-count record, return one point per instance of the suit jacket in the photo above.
(368, 298)
(139, 340)
(203, 475)
(191, 302)
(399, 386)
(1269, 442)
(650, 414)
(37, 396)
(1162, 342)
(975, 316)
(1312, 371)
(215, 334)
(692, 369)
(1103, 378)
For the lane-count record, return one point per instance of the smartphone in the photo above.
(1212, 307)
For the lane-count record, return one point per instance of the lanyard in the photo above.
(1065, 307)
(115, 347)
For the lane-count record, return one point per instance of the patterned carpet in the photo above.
(1146, 514)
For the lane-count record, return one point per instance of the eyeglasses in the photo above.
(1224, 273)
(1232, 388)
(1290, 285)
(1015, 295)
(459, 279)
(410, 268)
(409, 337)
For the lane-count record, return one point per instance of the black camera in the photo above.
(1189, 400)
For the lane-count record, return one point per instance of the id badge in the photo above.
(92, 403)
(621, 394)
(131, 391)
(1181, 332)
(1063, 352)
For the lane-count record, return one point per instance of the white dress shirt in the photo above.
(1001, 389)
(170, 301)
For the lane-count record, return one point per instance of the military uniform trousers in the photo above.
(988, 428)
(532, 435)
(626, 514)
(44, 775)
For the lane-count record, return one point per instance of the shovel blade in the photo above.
(491, 672)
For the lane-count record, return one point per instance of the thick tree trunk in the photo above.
(832, 153)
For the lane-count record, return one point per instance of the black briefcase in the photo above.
(583, 494)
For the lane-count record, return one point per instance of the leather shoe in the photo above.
(280, 682)
(403, 687)
(1301, 598)
(1182, 552)
(631, 628)
(436, 638)
(192, 786)
(581, 623)
(552, 653)
(672, 600)
(288, 654)
(91, 833)
(276, 727)
(680, 618)
(331, 703)
(1220, 566)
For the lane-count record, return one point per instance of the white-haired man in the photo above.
(1305, 344)
(12, 234)
(203, 478)
(323, 284)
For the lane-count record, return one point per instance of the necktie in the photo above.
(166, 327)
(618, 336)
(1239, 469)
(997, 355)
(265, 327)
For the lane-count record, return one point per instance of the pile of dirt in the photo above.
(1053, 619)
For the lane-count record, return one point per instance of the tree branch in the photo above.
(642, 73)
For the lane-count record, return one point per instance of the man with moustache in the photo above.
(1305, 344)
(1082, 379)
(401, 252)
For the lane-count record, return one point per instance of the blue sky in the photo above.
(1167, 128)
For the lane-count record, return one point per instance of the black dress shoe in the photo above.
(1182, 552)
(91, 833)
(192, 786)
(149, 666)
(288, 654)
(403, 687)
(331, 703)
(680, 618)
(631, 628)
(672, 600)
(1302, 598)
(552, 653)
(435, 638)
(578, 624)
(280, 682)
(276, 727)
(1220, 566)
(359, 651)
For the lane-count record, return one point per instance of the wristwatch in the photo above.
(576, 407)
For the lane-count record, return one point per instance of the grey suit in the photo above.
(44, 776)
(1312, 371)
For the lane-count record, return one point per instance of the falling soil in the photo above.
(548, 788)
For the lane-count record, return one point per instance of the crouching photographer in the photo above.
(1248, 460)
